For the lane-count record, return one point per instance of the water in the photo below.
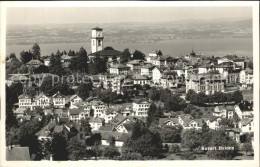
(176, 47)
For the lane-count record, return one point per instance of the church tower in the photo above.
(96, 39)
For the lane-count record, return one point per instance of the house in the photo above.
(120, 138)
(147, 69)
(247, 125)
(207, 83)
(25, 101)
(110, 54)
(156, 75)
(244, 110)
(17, 153)
(213, 122)
(168, 122)
(188, 122)
(66, 60)
(96, 122)
(45, 133)
(141, 107)
(233, 133)
(76, 115)
(58, 100)
(110, 113)
(119, 69)
(34, 63)
(74, 99)
(240, 62)
(135, 65)
(124, 127)
(98, 107)
(224, 111)
(42, 100)
(24, 118)
(141, 80)
(19, 112)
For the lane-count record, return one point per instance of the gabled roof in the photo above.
(57, 111)
(40, 95)
(58, 95)
(140, 101)
(120, 66)
(34, 62)
(97, 28)
(117, 135)
(139, 77)
(246, 121)
(163, 121)
(24, 96)
(226, 107)
(75, 111)
(96, 120)
(106, 128)
(18, 154)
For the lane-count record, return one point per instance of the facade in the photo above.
(58, 100)
(224, 111)
(141, 107)
(207, 83)
(156, 75)
(119, 69)
(96, 39)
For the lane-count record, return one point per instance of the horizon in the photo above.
(106, 15)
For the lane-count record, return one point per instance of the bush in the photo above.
(175, 148)
(188, 156)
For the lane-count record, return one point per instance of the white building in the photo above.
(156, 75)
(58, 100)
(96, 39)
(247, 125)
(141, 107)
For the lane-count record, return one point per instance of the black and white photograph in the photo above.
(130, 83)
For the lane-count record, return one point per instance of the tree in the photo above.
(80, 63)
(23, 69)
(237, 96)
(47, 86)
(111, 152)
(190, 94)
(218, 97)
(13, 66)
(98, 65)
(144, 141)
(226, 123)
(27, 137)
(165, 94)
(202, 98)
(154, 94)
(151, 114)
(26, 56)
(12, 55)
(58, 147)
(111, 140)
(175, 148)
(247, 147)
(56, 65)
(84, 90)
(170, 134)
(86, 126)
(128, 154)
(109, 48)
(126, 56)
(175, 103)
(16, 88)
(221, 139)
(137, 55)
(190, 139)
(76, 149)
(41, 69)
(36, 51)
(250, 64)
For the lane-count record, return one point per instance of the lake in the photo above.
(176, 47)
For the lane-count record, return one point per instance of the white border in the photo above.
(196, 163)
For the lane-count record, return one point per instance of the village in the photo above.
(129, 106)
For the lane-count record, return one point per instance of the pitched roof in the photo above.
(40, 95)
(96, 120)
(226, 107)
(117, 135)
(139, 77)
(58, 128)
(106, 128)
(34, 62)
(24, 96)
(119, 66)
(97, 28)
(75, 111)
(18, 154)
(58, 95)
(246, 121)
(140, 101)
(57, 111)
(163, 121)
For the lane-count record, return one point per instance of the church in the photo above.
(97, 46)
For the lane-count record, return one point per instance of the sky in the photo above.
(40, 15)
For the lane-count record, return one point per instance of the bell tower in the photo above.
(96, 39)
